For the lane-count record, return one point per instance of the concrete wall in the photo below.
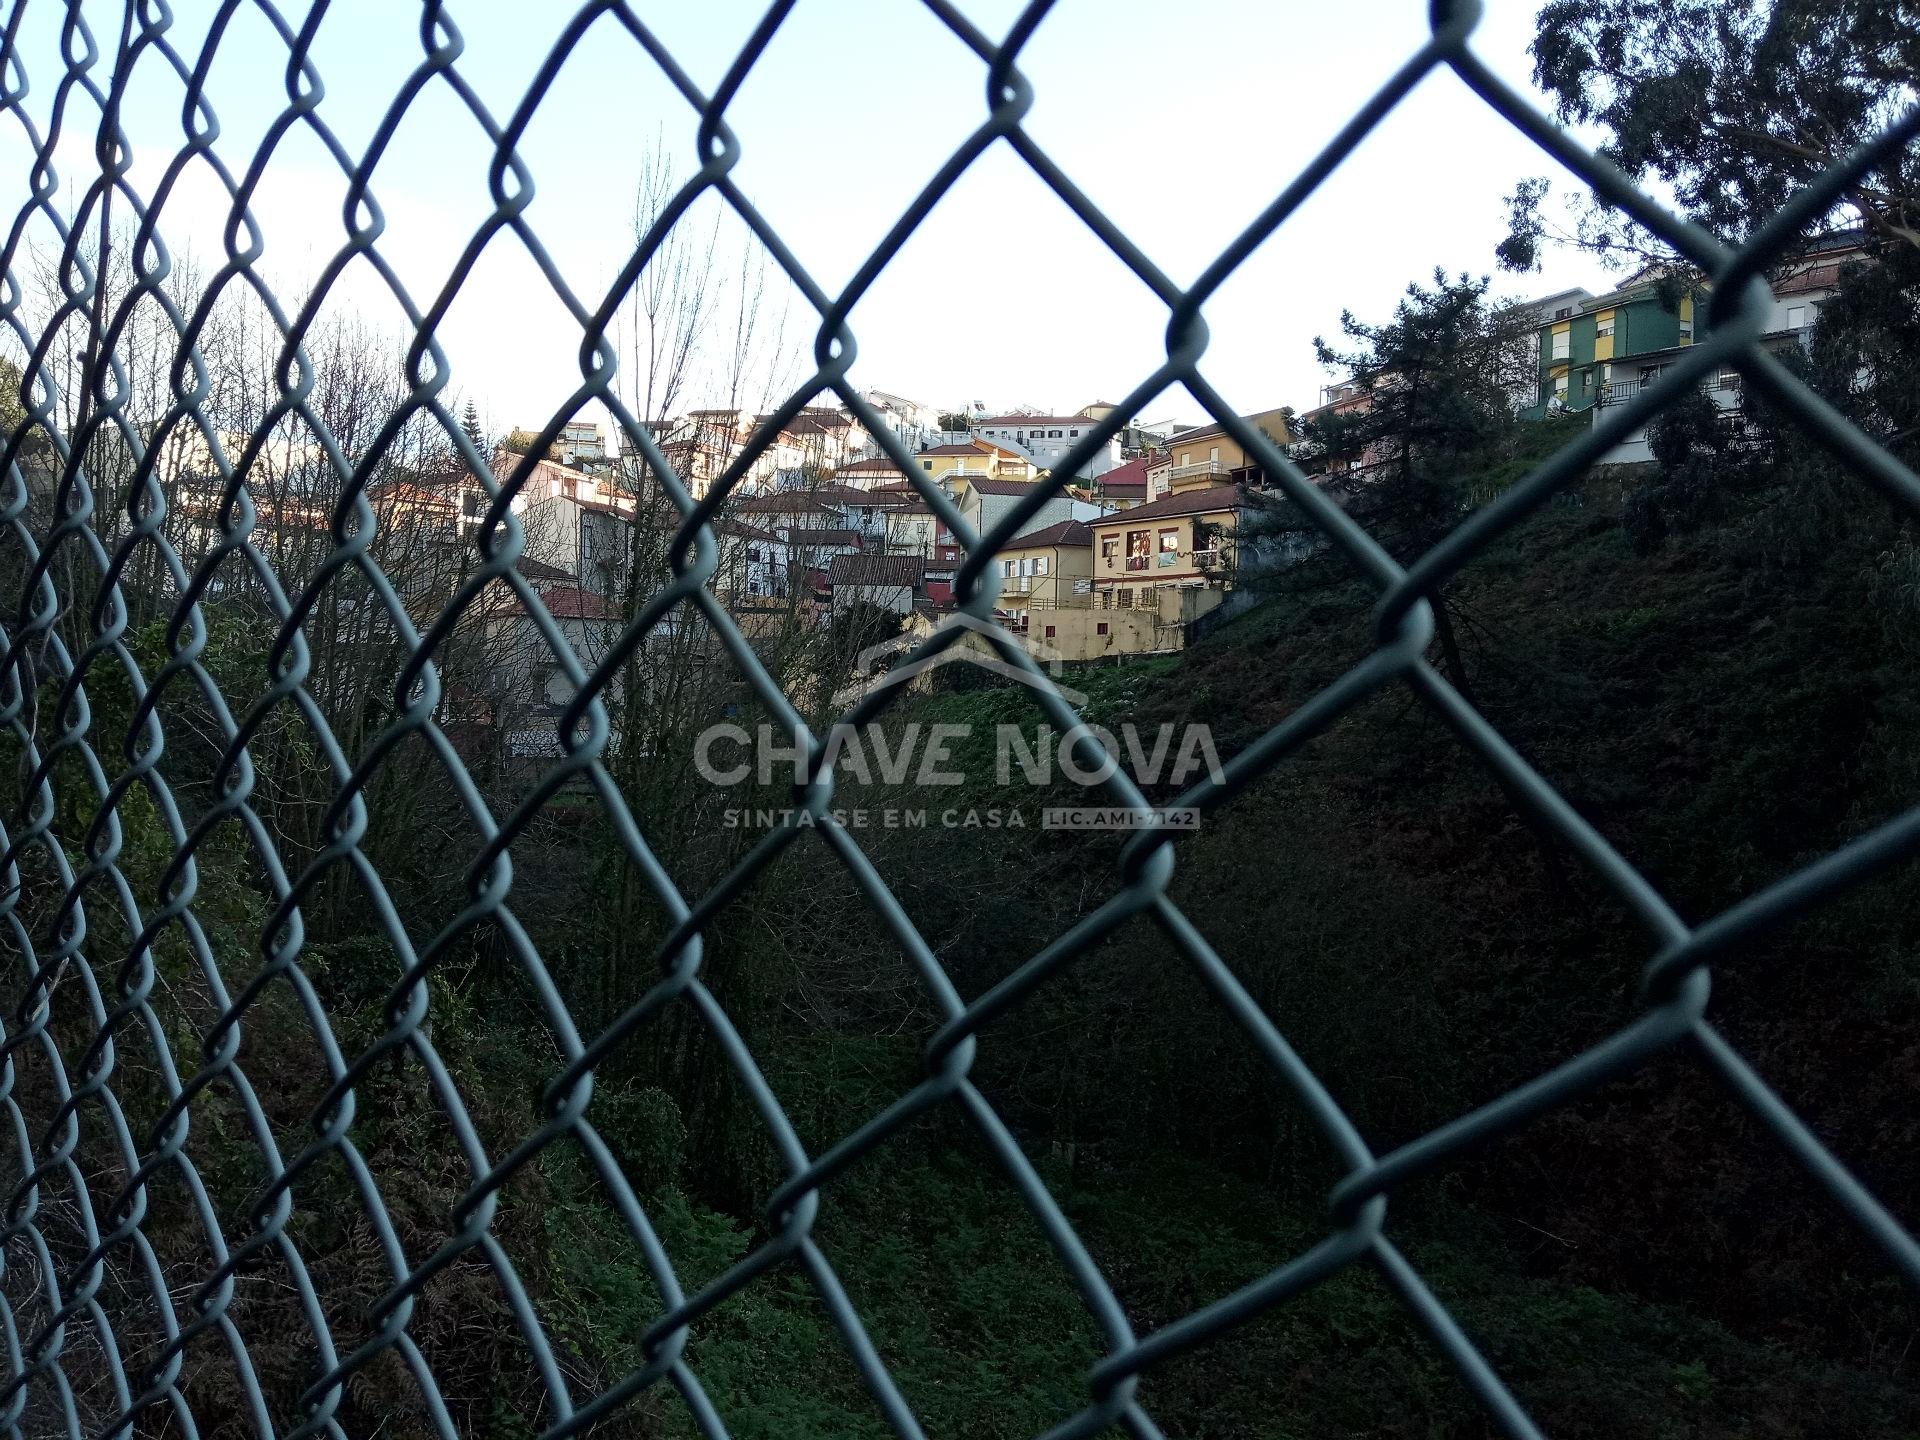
(897, 598)
(1097, 634)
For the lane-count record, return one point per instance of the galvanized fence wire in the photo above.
(49, 967)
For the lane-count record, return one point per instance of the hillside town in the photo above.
(1143, 548)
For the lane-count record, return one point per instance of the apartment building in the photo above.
(1582, 350)
(1621, 344)
(1045, 440)
(1183, 541)
(974, 457)
(1046, 569)
(1210, 455)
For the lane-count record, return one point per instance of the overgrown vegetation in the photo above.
(1711, 657)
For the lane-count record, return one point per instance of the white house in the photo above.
(588, 539)
(1046, 439)
(866, 474)
(909, 420)
(789, 509)
(753, 563)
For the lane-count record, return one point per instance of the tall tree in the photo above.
(470, 427)
(1435, 394)
(1731, 106)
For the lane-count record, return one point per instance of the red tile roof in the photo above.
(538, 572)
(988, 485)
(877, 570)
(970, 447)
(599, 507)
(1066, 532)
(788, 502)
(1029, 421)
(798, 536)
(570, 602)
(1187, 502)
(740, 530)
(1130, 476)
(840, 494)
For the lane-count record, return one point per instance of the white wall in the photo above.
(1046, 445)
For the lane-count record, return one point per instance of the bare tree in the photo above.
(673, 299)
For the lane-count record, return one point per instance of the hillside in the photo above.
(1644, 1263)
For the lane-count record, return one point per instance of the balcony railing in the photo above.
(1197, 469)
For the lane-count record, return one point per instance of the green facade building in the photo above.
(1581, 350)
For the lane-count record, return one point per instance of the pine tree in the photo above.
(470, 426)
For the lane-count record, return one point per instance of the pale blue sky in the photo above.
(1182, 121)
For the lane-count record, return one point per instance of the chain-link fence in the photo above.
(83, 941)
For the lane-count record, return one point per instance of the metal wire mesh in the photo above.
(56, 1298)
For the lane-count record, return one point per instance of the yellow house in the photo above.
(1047, 569)
(1208, 455)
(1181, 541)
(975, 457)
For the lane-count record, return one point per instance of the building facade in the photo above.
(1045, 440)
(1584, 352)
(1210, 455)
(1046, 569)
(1182, 541)
(1799, 286)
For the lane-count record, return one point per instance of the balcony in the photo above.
(1200, 469)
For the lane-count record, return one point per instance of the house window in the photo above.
(926, 464)
(1109, 550)
(1686, 332)
(1053, 434)
(1562, 344)
(1124, 598)
(1563, 312)
(1214, 454)
(1007, 567)
(1073, 435)
(1604, 329)
(1169, 548)
(1100, 628)
(1186, 457)
(1137, 545)
(1049, 632)
(1560, 387)
(1729, 377)
(1040, 564)
(1796, 317)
